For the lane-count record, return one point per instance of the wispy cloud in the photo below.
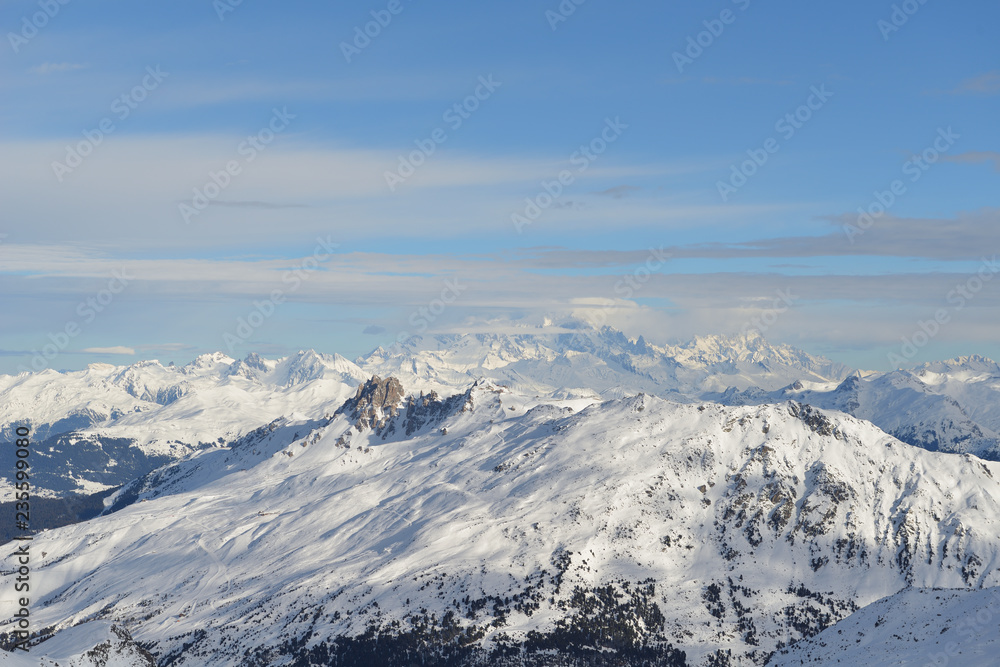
(49, 68)
(165, 347)
(200, 92)
(619, 191)
(984, 84)
(965, 237)
(119, 350)
(836, 308)
(975, 157)
(305, 187)
(254, 204)
(727, 81)
(746, 81)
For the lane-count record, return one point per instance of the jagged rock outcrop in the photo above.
(375, 403)
(379, 406)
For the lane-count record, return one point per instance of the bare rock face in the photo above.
(429, 409)
(382, 407)
(376, 402)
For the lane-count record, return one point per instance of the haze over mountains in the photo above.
(512, 499)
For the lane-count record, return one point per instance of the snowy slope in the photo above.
(917, 627)
(94, 644)
(489, 522)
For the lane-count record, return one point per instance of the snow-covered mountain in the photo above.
(101, 427)
(191, 399)
(973, 382)
(917, 626)
(107, 425)
(104, 426)
(601, 363)
(951, 406)
(494, 527)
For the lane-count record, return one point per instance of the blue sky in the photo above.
(225, 156)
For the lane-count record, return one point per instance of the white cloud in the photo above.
(127, 192)
(127, 351)
(846, 309)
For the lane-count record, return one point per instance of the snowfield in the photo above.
(94, 644)
(919, 627)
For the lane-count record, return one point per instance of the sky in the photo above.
(185, 177)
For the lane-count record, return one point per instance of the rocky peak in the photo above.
(255, 361)
(375, 403)
(815, 419)
(429, 409)
(850, 384)
(380, 405)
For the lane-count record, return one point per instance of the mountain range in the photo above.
(516, 500)
(107, 425)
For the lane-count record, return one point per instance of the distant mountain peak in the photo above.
(972, 362)
(208, 360)
(255, 361)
